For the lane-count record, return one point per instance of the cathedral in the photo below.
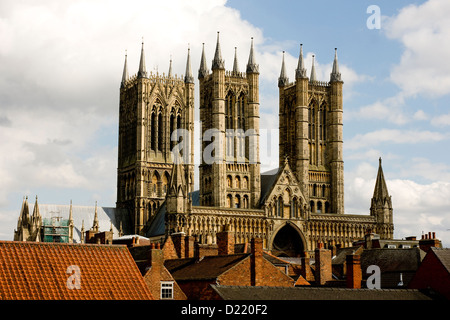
(292, 208)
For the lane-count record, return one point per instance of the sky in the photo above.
(61, 65)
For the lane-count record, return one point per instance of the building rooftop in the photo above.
(315, 293)
(61, 271)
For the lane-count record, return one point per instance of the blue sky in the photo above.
(61, 66)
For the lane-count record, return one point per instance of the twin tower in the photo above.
(154, 106)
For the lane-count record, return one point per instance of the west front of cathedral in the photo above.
(292, 208)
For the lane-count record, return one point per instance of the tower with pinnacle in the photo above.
(311, 134)
(156, 123)
(381, 206)
(229, 115)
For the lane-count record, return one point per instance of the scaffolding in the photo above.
(55, 229)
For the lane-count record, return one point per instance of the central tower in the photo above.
(229, 115)
(311, 135)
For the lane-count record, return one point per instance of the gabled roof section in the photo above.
(56, 271)
(443, 255)
(207, 268)
(270, 180)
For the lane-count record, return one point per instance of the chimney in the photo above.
(225, 241)
(323, 264)
(189, 246)
(354, 272)
(306, 268)
(256, 262)
(429, 241)
(179, 242)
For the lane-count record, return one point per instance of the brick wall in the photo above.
(158, 273)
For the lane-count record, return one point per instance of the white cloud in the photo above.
(441, 120)
(423, 30)
(395, 136)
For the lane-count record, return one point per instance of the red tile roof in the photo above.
(38, 271)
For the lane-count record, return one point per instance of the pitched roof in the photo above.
(45, 271)
(207, 268)
(443, 254)
(314, 293)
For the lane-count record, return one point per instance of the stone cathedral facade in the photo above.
(292, 209)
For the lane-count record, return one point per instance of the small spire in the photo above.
(95, 226)
(300, 72)
(283, 79)
(252, 67)
(170, 68)
(235, 63)
(142, 71)
(218, 62)
(188, 78)
(335, 74)
(313, 76)
(203, 70)
(381, 190)
(125, 72)
(70, 212)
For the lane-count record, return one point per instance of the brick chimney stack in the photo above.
(306, 269)
(429, 240)
(179, 243)
(225, 241)
(189, 246)
(323, 264)
(256, 262)
(354, 272)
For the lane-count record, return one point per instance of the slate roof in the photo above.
(206, 268)
(267, 180)
(39, 271)
(314, 293)
(443, 254)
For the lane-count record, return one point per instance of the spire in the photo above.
(203, 71)
(82, 231)
(313, 76)
(142, 72)
(300, 72)
(177, 179)
(125, 72)
(252, 67)
(170, 68)
(36, 216)
(381, 191)
(283, 79)
(235, 63)
(188, 78)
(70, 213)
(218, 62)
(335, 74)
(95, 226)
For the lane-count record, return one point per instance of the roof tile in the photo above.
(36, 271)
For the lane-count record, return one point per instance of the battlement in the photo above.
(235, 74)
(157, 78)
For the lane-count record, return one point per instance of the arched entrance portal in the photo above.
(287, 243)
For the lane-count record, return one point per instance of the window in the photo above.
(166, 290)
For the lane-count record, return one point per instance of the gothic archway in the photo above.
(288, 242)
